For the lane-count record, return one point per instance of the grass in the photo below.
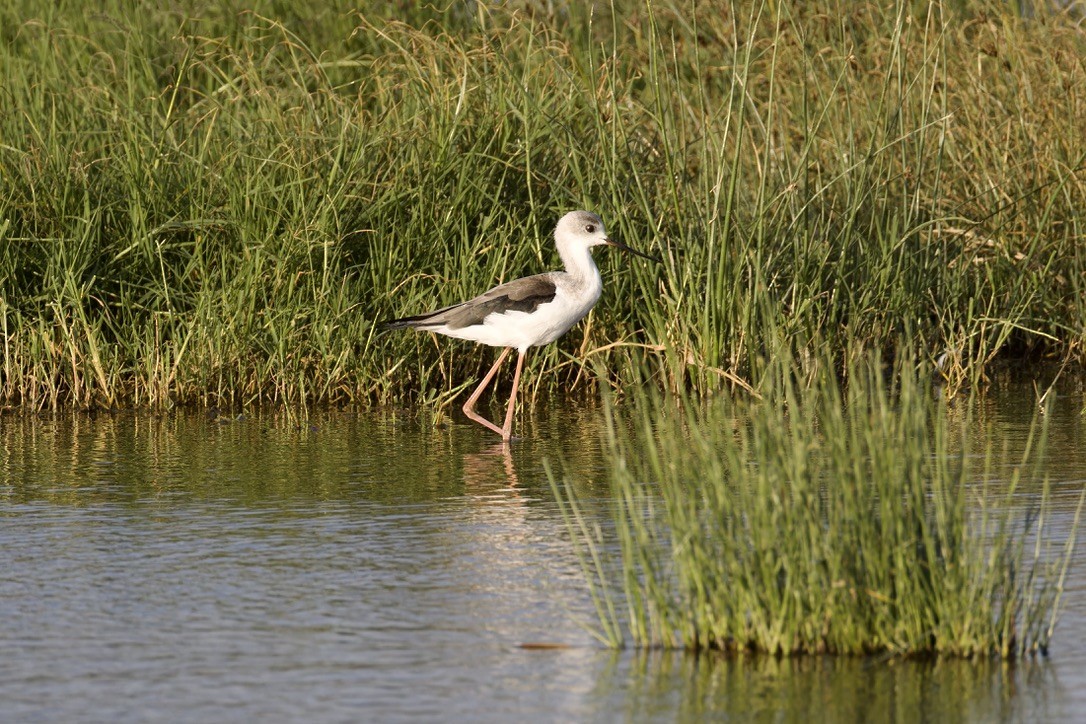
(206, 205)
(861, 520)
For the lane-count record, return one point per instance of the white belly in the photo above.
(522, 330)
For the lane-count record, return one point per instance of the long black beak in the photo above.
(635, 252)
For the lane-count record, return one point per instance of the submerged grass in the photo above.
(210, 206)
(858, 520)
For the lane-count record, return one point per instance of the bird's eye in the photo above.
(590, 228)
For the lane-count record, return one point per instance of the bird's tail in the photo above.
(404, 323)
(418, 321)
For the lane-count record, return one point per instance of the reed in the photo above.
(867, 519)
(204, 206)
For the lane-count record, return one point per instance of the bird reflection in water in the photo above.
(492, 465)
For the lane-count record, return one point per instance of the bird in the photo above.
(527, 312)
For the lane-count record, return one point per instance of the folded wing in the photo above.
(520, 295)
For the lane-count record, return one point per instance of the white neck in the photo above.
(578, 262)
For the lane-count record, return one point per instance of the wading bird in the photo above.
(527, 312)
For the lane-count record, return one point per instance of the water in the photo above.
(186, 568)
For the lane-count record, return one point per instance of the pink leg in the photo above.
(507, 431)
(469, 406)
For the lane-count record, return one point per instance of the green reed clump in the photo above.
(211, 206)
(869, 519)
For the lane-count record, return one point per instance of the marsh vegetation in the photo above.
(862, 520)
(212, 206)
(206, 205)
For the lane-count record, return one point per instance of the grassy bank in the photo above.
(866, 521)
(204, 205)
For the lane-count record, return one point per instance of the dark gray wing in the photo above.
(520, 295)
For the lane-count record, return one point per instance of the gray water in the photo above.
(372, 567)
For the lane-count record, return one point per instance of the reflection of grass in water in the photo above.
(214, 207)
(824, 518)
(701, 686)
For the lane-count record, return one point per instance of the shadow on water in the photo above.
(370, 563)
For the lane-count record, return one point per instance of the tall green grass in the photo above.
(867, 519)
(205, 204)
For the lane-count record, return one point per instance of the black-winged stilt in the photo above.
(527, 312)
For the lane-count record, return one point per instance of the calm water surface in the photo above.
(184, 568)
